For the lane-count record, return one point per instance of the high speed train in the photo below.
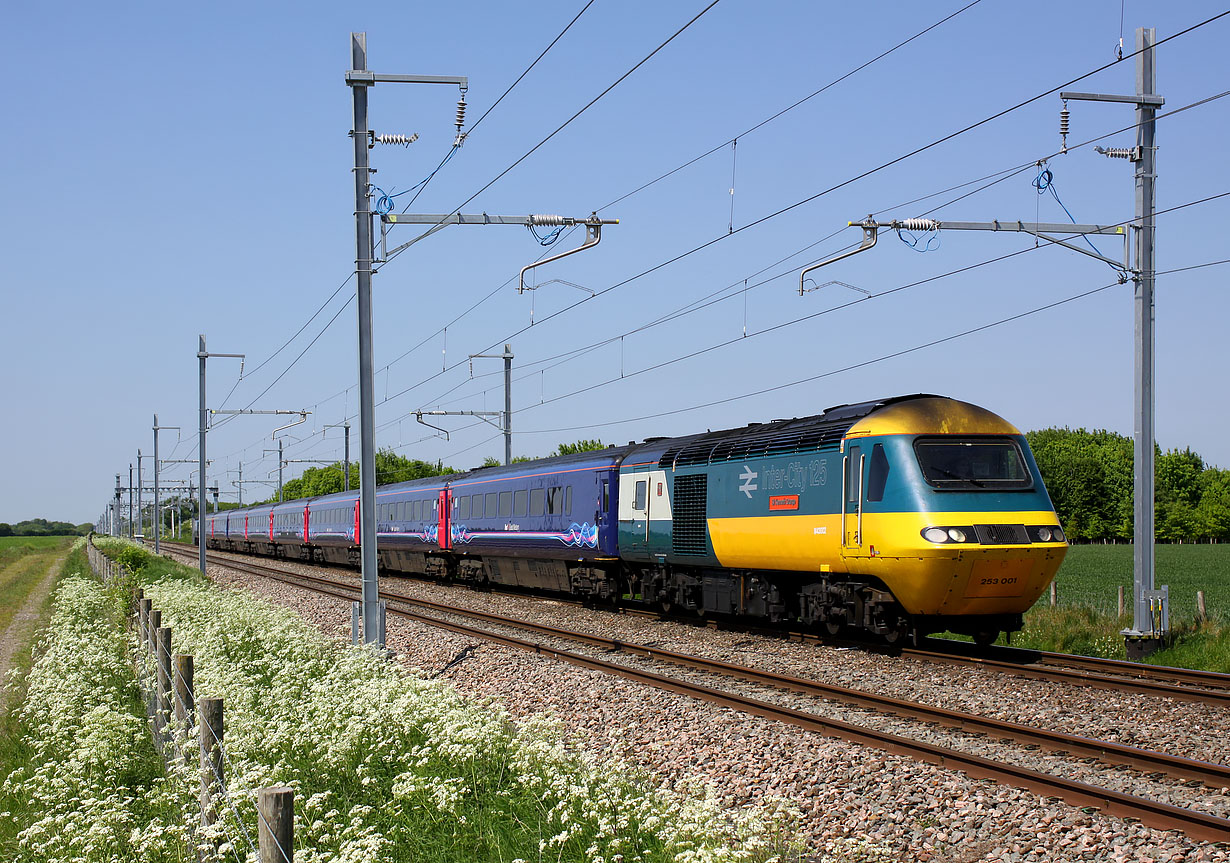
(897, 517)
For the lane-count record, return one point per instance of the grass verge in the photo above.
(81, 779)
(387, 766)
(20, 577)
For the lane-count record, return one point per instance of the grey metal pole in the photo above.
(346, 478)
(131, 530)
(508, 358)
(1143, 450)
(200, 510)
(367, 411)
(281, 464)
(157, 509)
(241, 485)
(140, 501)
(115, 521)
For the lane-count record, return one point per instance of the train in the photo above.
(893, 518)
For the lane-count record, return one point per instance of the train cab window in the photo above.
(520, 499)
(489, 505)
(568, 500)
(642, 494)
(877, 474)
(505, 504)
(854, 473)
(476, 506)
(975, 463)
(463, 507)
(538, 501)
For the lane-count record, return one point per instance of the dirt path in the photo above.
(21, 628)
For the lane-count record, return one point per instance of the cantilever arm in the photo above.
(870, 235)
(593, 236)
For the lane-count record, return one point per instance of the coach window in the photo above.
(877, 476)
(568, 500)
(476, 508)
(463, 507)
(519, 502)
(505, 504)
(640, 499)
(538, 501)
(489, 507)
(606, 495)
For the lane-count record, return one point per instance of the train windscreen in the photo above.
(973, 463)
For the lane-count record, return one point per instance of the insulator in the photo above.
(1116, 152)
(1063, 122)
(545, 219)
(461, 112)
(403, 140)
(918, 225)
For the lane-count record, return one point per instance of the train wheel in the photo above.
(833, 627)
(901, 635)
(985, 638)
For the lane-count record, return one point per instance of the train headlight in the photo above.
(956, 534)
(1057, 535)
(1044, 534)
(935, 534)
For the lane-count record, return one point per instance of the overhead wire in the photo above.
(571, 119)
(823, 192)
(842, 184)
(873, 361)
(591, 386)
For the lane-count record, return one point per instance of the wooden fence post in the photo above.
(1201, 614)
(277, 822)
(185, 707)
(212, 731)
(143, 612)
(152, 625)
(163, 703)
(1122, 607)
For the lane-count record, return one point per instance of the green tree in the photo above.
(578, 446)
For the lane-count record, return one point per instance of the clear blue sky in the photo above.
(174, 169)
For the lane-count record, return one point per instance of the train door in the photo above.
(442, 507)
(634, 508)
(852, 501)
(358, 528)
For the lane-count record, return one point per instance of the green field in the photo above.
(1091, 575)
(39, 542)
(1086, 619)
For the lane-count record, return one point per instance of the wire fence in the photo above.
(185, 729)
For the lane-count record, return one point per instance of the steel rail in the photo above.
(1199, 825)
(1192, 684)
(1076, 676)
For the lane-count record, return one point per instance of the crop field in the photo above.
(1091, 575)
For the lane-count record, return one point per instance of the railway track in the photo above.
(1182, 684)
(1194, 823)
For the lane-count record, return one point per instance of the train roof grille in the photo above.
(768, 440)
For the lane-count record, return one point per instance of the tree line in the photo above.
(43, 527)
(1089, 476)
